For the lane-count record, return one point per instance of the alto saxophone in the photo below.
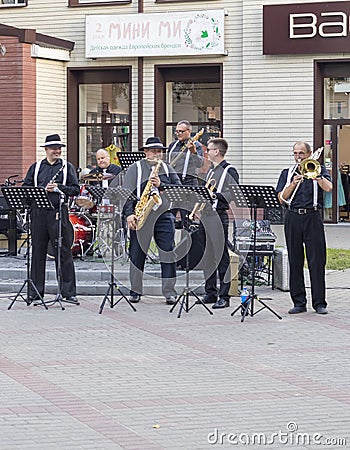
(149, 199)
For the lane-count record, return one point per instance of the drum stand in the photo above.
(117, 193)
(27, 197)
(188, 195)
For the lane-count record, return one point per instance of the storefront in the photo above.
(310, 29)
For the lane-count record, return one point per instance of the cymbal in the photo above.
(97, 176)
(108, 176)
(92, 177)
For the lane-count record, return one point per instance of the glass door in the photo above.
(337, 162)
(329, 154)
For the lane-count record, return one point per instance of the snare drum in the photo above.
(83, 233)
(84, 200)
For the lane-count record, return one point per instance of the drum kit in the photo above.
(86, 215)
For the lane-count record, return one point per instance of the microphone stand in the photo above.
(58, 298)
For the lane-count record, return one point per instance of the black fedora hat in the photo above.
(153, 142)
(53, 140)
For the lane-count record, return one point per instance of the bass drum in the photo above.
(83, 233)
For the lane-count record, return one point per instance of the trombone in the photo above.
(309, 168)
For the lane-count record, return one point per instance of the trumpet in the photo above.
(198, 207)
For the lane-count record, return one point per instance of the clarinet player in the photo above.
(142, 178)
(59, 178)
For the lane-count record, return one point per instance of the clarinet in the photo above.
(57, 173)
(54, 178)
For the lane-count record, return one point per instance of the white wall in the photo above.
(51, 102)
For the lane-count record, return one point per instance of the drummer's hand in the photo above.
(51, 187)
(132, 221)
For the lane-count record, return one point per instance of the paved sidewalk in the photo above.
(76, 379)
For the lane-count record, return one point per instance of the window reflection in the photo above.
(337, 98)
(103, 119)
(198, 102)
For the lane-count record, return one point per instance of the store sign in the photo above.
(307, 28)
(161, 34)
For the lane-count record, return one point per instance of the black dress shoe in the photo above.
(221, 303)
(297, 310)
(72, 299)
(134, 298)
(321, 310)
(209, 299)
(171, 300)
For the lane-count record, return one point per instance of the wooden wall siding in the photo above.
(51, 102)
(17, 112)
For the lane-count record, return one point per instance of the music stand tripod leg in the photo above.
(112, 304)
(268, 307)
(28, 281)
(183, 301)
(112, 284)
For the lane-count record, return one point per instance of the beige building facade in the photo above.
(234, 82)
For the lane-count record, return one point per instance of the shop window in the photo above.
(336, 98)
(96, 2)
(180, 1)
(104, 119)
(198, 102)
(13, 2)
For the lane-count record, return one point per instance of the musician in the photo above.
(159, 224)
(215, 223)
(105, 170)
(60, 181)
(303, 228)
(186, 157)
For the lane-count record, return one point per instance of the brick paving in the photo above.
(76, 379)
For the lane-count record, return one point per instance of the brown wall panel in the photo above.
(18, 108)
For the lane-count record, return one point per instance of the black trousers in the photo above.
(163, 230)
(44, 226)
(306, 231)
(216, 258)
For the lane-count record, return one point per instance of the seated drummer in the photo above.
(106, 171)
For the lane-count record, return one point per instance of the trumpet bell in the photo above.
(310, 168)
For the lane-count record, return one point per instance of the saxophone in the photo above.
(149, 199)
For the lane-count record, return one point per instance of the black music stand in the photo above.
(254, 197)
(97, 192)
(188, 196)
(128, 158)
(116, 194)
(19, 197)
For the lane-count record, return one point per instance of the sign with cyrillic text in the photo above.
(161, 34)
